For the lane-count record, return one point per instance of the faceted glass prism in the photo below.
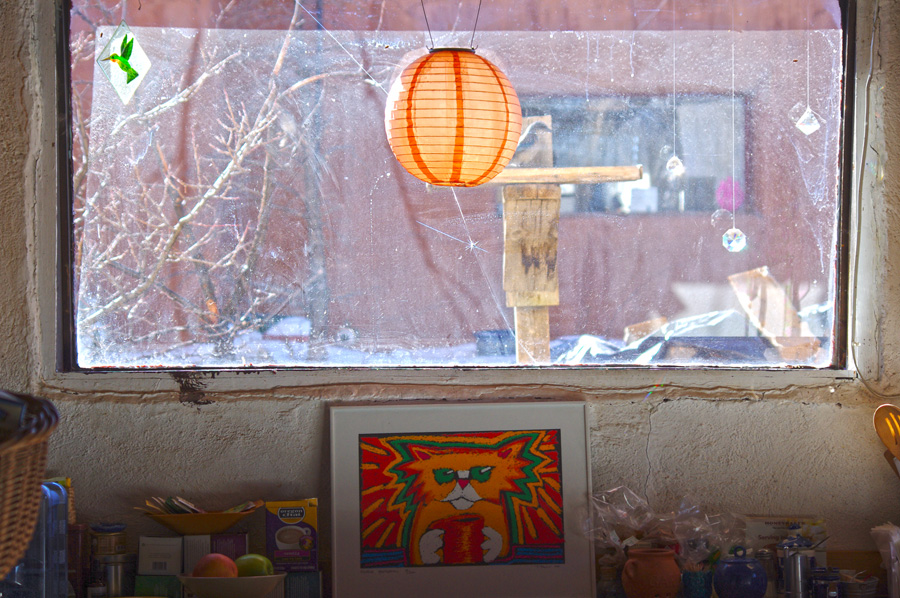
(675, 167)
(734, 240)
(804, 119)
(124, 62)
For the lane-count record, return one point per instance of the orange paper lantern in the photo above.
(453, 118)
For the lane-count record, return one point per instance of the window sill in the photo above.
(493, 382)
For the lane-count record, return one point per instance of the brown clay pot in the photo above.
(651, 573)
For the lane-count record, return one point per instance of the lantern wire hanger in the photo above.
(474, 27)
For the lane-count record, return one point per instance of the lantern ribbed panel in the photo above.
(453, 118)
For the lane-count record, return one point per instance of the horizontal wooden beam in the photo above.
(579, 175)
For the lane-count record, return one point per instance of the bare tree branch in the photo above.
(180, 98)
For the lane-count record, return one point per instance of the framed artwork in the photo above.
(461, 500)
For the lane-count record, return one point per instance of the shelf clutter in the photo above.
(66, 558)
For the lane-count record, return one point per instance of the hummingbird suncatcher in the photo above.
(122, 59)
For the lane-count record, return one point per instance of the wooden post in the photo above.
(530, 232)
(531, 202)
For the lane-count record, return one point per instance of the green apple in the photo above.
(251, 565)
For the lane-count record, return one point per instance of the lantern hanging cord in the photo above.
(427, 25)
(477, 14)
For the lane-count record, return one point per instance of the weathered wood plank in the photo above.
(530, 233)
(532, 298)
(577, 175)
(532, 335)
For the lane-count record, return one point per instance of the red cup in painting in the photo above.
(463, 535)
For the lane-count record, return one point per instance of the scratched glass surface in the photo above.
(244, 208)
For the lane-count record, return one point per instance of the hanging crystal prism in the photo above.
(804, 119)
(124, 62)
(675, 167)
(734, 240)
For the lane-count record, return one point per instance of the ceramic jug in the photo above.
(651, 573)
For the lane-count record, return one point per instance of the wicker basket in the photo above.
(23, 460)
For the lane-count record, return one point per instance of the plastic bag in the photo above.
(620, 519)
(703, 537)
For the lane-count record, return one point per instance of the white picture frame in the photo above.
(391, 469)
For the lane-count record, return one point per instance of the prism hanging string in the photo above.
(734, 239)
(674, 166)
(802, 114)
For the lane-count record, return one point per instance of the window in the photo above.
(239, 206)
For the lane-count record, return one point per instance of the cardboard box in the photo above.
(767, 531)
(292, 541)
(159, 556)
(307, 584)
(278, 592)
(166, 586)
(195, 548)
(231, 545)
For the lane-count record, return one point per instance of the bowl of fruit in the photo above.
(217, 576)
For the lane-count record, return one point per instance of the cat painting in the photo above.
(461, 499)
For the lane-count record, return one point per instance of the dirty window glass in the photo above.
(236, 202)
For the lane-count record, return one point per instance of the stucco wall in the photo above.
(751, 444)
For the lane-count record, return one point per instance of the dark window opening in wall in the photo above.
(238, 205)
(706, 132)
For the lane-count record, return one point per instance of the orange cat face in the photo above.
(464, 476)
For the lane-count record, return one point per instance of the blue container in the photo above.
(43, 571)
(696, 584)
(740, 577)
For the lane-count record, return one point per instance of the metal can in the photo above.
(767, 559)
(116, 572)
(107, 543)
(826, 583)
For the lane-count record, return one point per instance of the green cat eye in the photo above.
(480, 474)
(444, 475)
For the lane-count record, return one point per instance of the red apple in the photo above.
(215, 565)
